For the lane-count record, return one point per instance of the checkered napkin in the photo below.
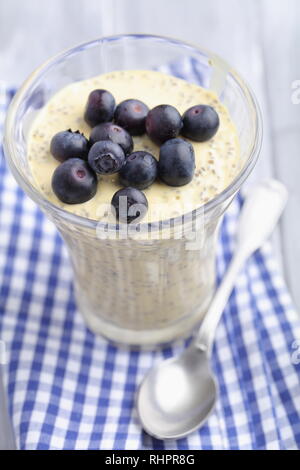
(69, 389)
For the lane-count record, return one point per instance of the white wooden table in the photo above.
(261, 38)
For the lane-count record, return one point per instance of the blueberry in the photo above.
(106, 157)
(139, 171)
(74, 182)
(110, 131)
(100, 107)
(131, 115)
(129, 204)
(68, 144)
(163, 123)
(200, 123)
(176, 164)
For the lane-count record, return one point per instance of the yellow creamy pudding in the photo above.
(140, 291)
(217, 161)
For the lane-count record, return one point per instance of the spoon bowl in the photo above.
(177, 395)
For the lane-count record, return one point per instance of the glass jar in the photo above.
(135, 290)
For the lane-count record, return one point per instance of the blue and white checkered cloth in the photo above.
(69, 389)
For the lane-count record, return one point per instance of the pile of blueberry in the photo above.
(110, 150)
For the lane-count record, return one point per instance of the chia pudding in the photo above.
(141, 290)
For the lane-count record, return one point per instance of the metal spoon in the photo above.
(177, 396)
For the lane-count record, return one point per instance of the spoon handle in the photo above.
(205, 337)
(261, 211)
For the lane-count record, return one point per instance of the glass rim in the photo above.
(37, 196)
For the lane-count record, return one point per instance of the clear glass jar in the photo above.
(138, 291)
